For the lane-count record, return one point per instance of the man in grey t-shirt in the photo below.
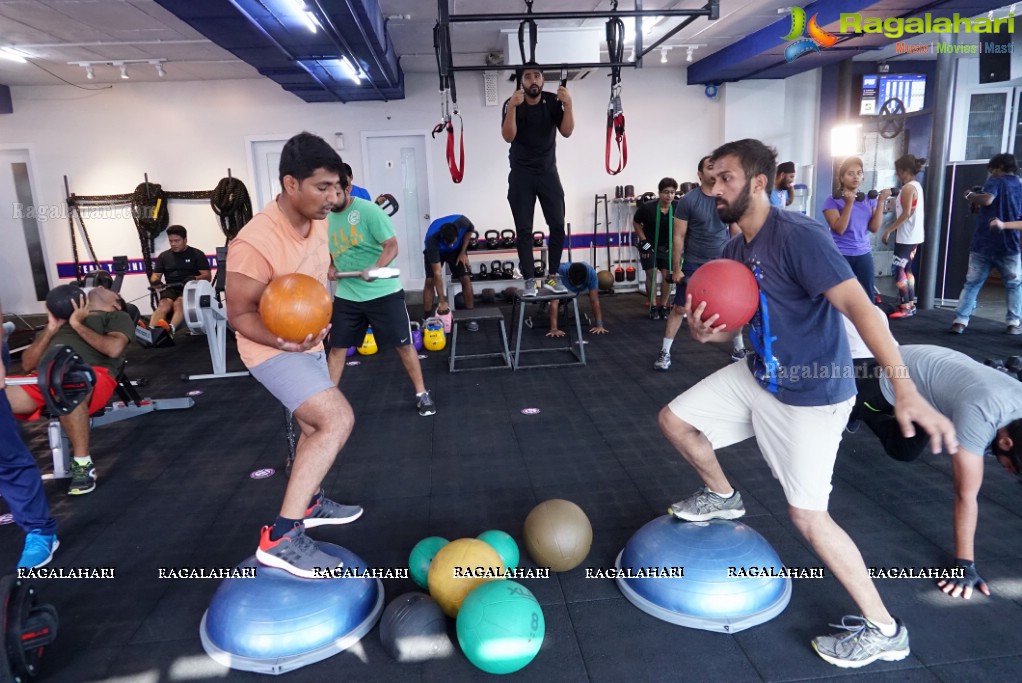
(699, 237)
(985, 406)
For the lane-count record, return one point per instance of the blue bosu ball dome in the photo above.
(710, 595)
(277, 622)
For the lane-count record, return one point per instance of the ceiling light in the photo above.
(350, 71)
(306, 15)
(124, 71)
(13, 55)
(663, 55)
(89, 72)
(689, 54)
(159, 69)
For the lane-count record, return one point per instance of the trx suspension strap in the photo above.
(615, 114)
(448, 103)
(529, 24)
(656, 245)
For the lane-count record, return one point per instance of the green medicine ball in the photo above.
(504, 545)
(422, 555)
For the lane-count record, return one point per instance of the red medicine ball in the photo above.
(729, 289)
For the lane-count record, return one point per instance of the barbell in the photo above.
(63, 378)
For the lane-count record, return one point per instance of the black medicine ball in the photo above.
(58, 301)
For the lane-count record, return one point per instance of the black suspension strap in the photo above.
(656, 244)
(615, 113)
(530, 25)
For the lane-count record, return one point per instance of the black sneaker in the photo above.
(425, 404)
(83, 478)
(662, 312)
(653, 313)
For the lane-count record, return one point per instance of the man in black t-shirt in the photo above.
(655, 245)
(531, 121)
(179, 264)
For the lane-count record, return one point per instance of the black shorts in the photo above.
(387, 315)
(663, 259)
(451, 259)
(172, 292)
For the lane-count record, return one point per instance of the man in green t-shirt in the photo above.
(99, 331)
(361, 238)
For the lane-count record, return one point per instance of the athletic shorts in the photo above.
(799, 443)
(451, 259)
(172, 292)
(387, 315)
(682, 289)
(663, 259)
(101, 393)
(294, 378)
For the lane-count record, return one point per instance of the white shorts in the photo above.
(799, 443)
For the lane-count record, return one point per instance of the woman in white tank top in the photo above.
(908, 224)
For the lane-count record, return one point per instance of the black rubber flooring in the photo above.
(174, 490)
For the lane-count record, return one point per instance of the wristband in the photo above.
(599, 324)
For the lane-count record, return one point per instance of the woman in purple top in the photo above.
(851, 221)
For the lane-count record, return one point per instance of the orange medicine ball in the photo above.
(295, 306)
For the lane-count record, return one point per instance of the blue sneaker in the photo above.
(39, 549)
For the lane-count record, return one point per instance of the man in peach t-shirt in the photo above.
(289, 236)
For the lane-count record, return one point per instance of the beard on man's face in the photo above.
(533, 90)
(732, 212)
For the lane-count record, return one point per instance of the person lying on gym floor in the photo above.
(99, 331)
(985, 406)
(180, 265)
(21, 483)
(579, 278)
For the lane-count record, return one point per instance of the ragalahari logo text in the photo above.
(818, 38)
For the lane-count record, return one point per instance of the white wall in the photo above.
(186, 135)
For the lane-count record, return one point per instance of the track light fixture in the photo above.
(124, 70)
(122, 65)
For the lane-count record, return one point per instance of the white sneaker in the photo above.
(663, 361)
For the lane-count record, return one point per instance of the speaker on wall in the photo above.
(999, 58)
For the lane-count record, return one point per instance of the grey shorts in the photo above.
(294, 378)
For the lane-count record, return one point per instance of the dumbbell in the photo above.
(976, 189)
(873, 194)
(859, 196)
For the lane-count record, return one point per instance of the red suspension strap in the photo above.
(448, 99)
(615, 113)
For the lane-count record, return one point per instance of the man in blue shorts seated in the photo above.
(579, 278)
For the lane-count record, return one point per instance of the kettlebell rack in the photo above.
(486, 257)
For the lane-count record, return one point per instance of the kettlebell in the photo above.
(459, 300)
(484, 273)
(508, 238)
(492, 239)
(537, 239)
(447, 319)
(416, 335)
(629, 191)
(509, 270)
(539, 267)
(496, 270)
(368, 347)
(630, 273)
(619, 274)
(473, 241)
(433, 338)
(647, 197)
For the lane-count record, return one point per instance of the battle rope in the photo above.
(615, 113)
(231, 203)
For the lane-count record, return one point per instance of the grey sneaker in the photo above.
(663, 361)
(531, 288)
(704, 504)
(1013, 329)
(83, 478)
(472, 326)
(327, 511)
(554, 284)
(861, 643)
(295, 553)
(425, 404)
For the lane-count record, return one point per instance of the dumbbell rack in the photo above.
(453, 286)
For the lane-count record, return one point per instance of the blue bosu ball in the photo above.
(710, 595)
(277, 622)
